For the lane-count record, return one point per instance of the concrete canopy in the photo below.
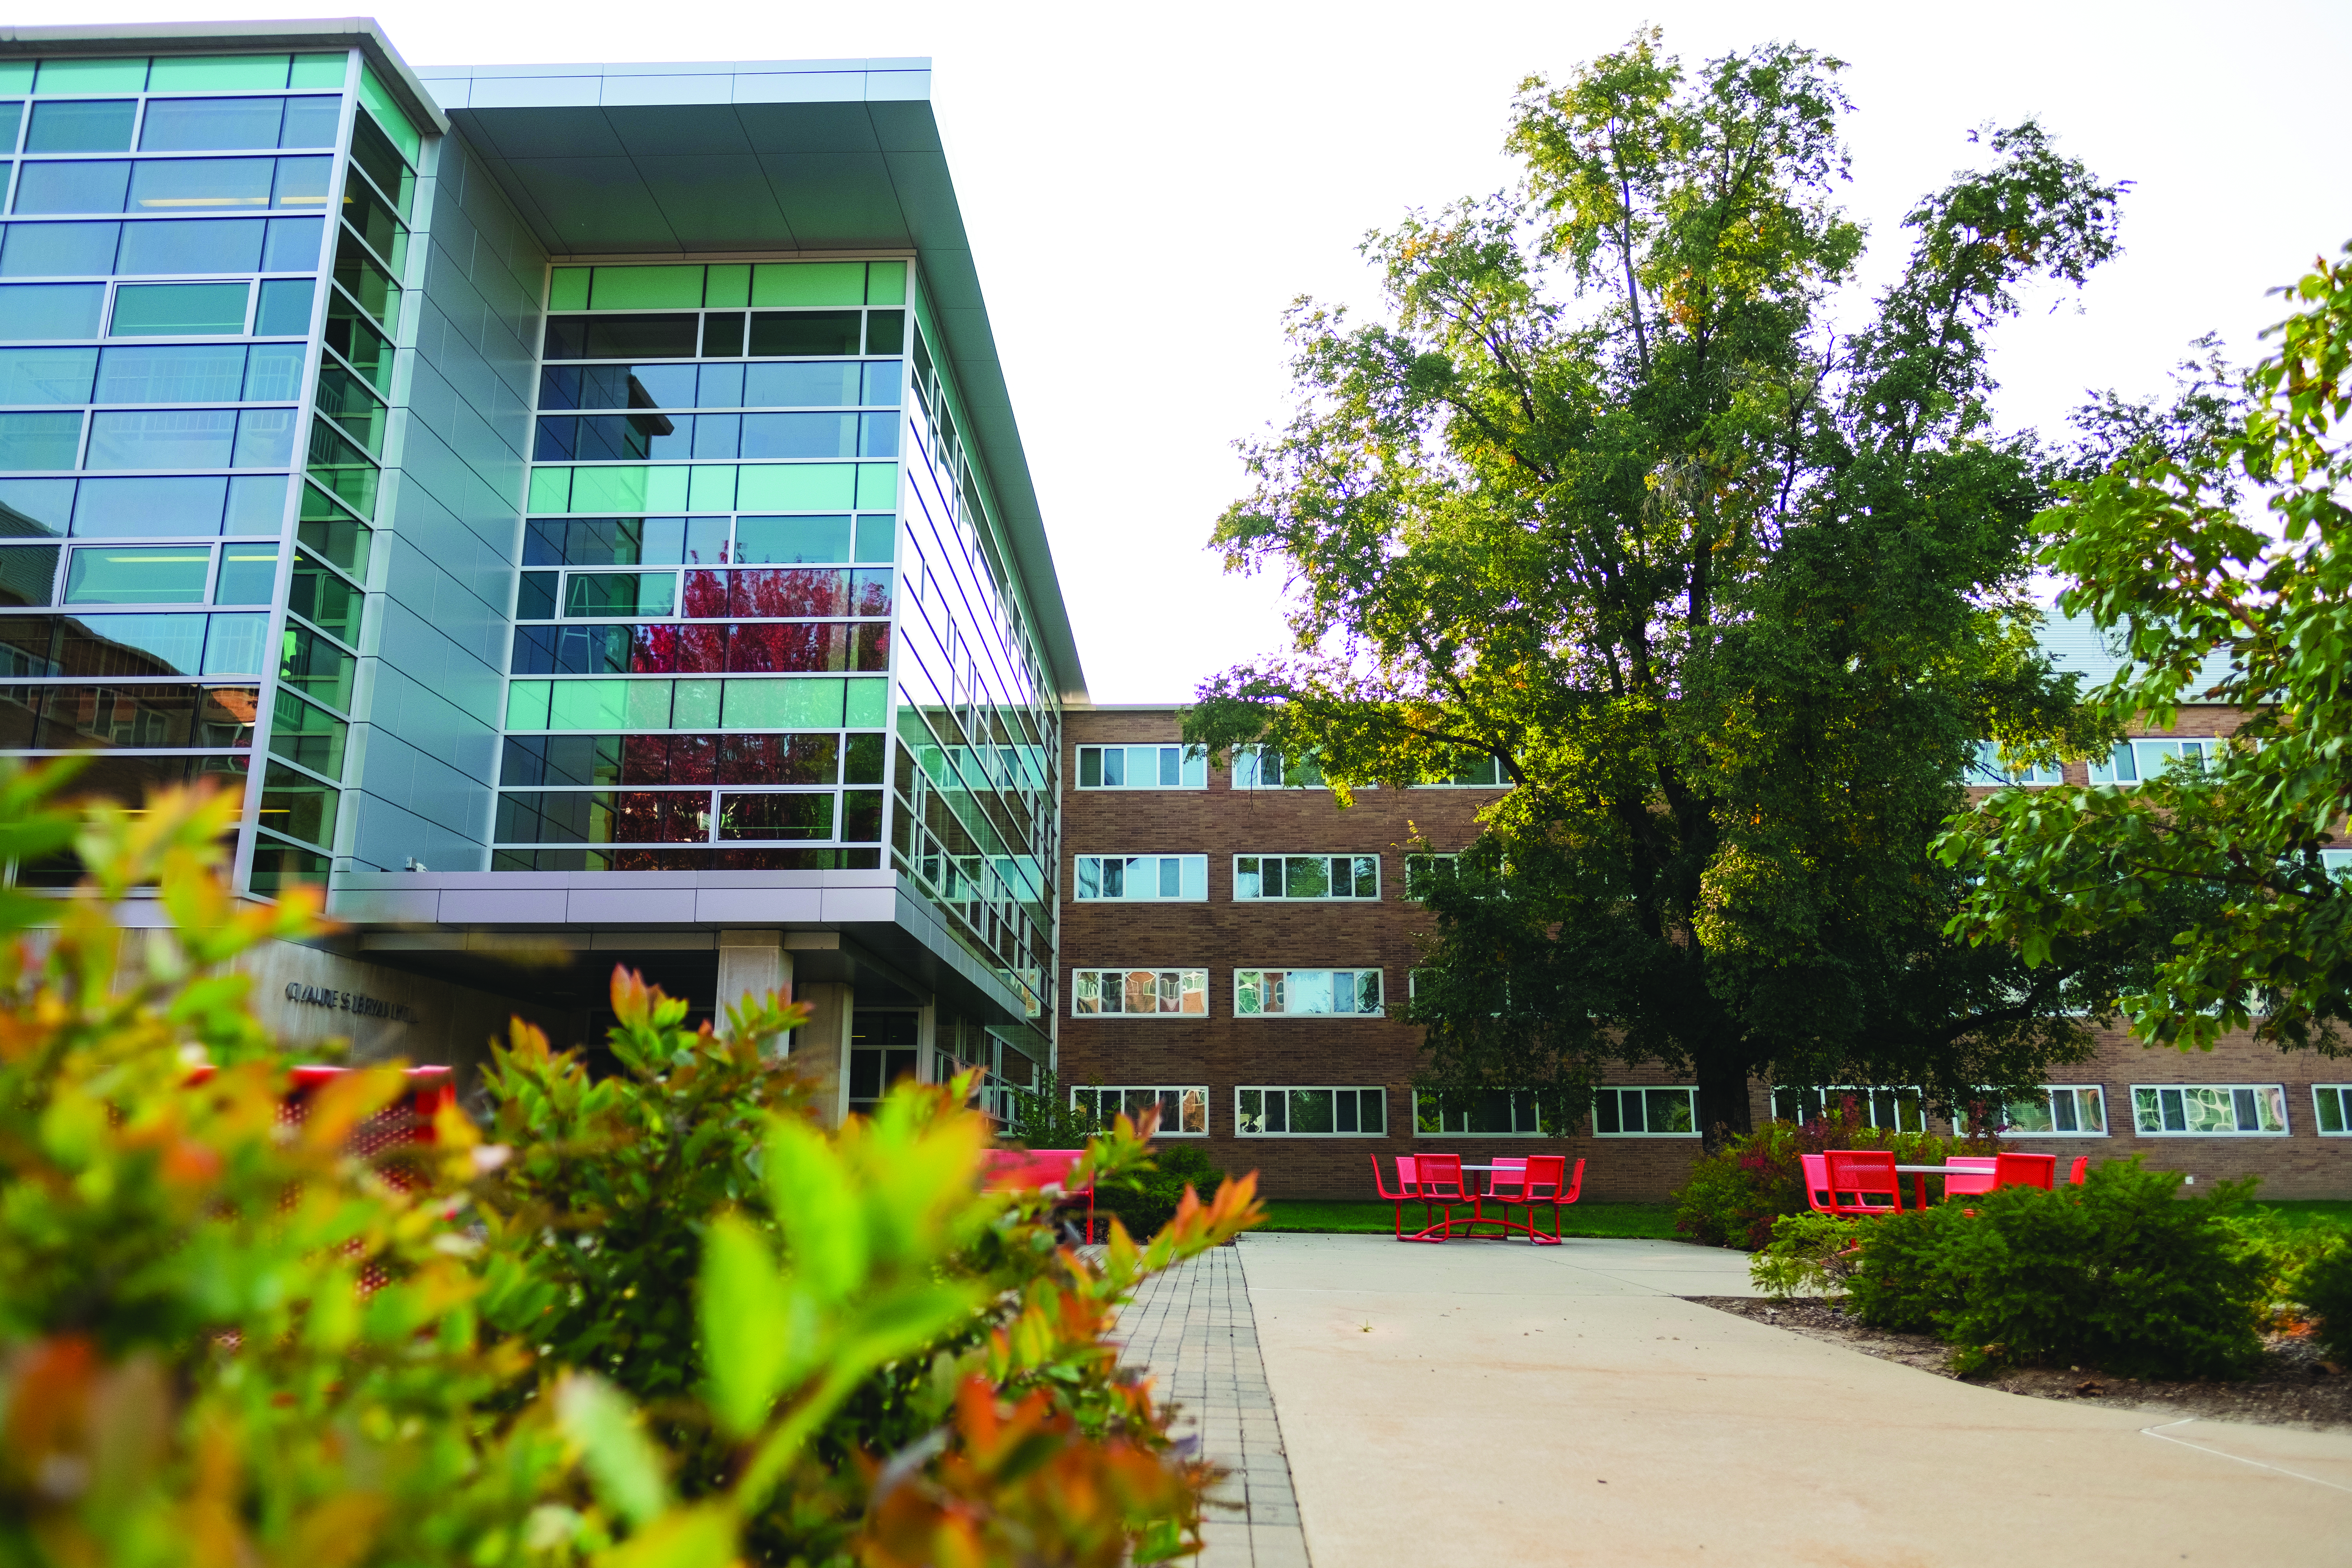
(646, 161)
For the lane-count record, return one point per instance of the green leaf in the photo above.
(622, 1462)
(748, 1327)
(700, 1537)
(818, 1209)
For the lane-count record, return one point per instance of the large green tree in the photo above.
(1727, 594)
(2214, 600)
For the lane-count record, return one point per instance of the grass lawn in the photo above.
(1355, 1217)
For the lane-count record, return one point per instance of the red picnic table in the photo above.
(1436, 1180)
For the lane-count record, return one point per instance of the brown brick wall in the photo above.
(1224, 1052)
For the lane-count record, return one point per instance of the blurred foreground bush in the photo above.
(663, 1320)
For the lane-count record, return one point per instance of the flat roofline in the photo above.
(684, 68)
(102, 39)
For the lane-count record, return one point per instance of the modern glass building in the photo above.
(580, 503)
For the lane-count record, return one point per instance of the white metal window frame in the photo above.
(1188, 1098)
(2049, 1092)
(1867, 1095)
(1189, 982)
(1249, 771)
(1257, 877)
(1988, 769)
(1145, 765)
(1488, 764)
(1420, 862)
(1422, 1098)
(1191, 876)
(1243, 1116)
(2149, 754)
(2273, 1094)
(2341, 1093)
(1619, 1090)
(1247, 980)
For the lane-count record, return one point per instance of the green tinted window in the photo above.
(297, 805)
(178, 310)
(311, 736)
(159, 575)
(621, 594)
(318, 70)
(567, 288)
(92, 76)
(248, 574)
(646, 289)
(219, 73)
(389, 114)
(809, 283)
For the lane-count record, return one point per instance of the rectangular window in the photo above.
(1285, 1112)
(1479, 1113)
(2210, 1109)
(1423, 871)
(1896, 1109)
(2058, 1111)
(1262, 767)
(2332, 1104)
(1183, 1110)
(1144, 878)
(1139, 993)
(1989, 769)
(1645, 1112)
(1476, 772)
(1307, 876)
(2133, 761)
(1142, 767)
(1306, 992)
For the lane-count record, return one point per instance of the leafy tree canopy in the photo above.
(2162, 556)
(1729, 594)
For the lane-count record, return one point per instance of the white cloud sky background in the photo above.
(1147, 188)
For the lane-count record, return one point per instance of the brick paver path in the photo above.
(1193, 1328)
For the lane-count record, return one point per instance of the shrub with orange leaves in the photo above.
(229, 1338)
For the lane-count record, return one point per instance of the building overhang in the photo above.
(838, 920)
(808, 157)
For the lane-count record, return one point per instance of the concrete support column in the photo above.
(820, 1046)
(752, 962)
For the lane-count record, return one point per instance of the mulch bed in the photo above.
(2293, 1387)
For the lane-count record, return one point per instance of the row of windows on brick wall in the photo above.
(1293, 879)
(2061, 1110)
(1257, 993)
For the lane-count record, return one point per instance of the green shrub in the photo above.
(2122, 1273)
(1809, 1254)
(1901, 1282)
(2325, 1290)
(1735, 1194)
(1151, 1202)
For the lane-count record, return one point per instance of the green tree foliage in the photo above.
(1729, 597)
(2159, 553)
(671, 1323)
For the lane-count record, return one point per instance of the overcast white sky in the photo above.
(1147, 187)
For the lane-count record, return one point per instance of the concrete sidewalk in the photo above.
(1479, 1403)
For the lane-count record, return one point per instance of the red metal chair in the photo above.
(1864, 1173)
(2082, 1168)
(1408, 1191)
(1043, 1169)
(1439, 1177)
(2025, 1170)
(1972, 1185)
(1548, 1181)
(1817, 1182)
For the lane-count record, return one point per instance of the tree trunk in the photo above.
(1723, 1103)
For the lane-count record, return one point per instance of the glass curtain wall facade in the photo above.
(200, 292)
(977, 772)
(723, 570)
